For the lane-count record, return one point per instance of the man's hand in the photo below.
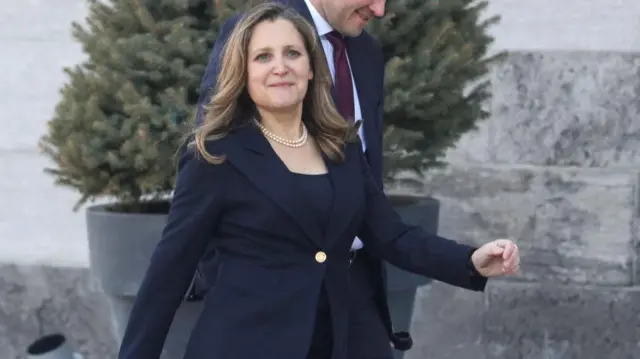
(497, 258)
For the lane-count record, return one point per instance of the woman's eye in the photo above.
(263, 57)
(293, 53)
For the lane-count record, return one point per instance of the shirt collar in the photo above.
(322, 26)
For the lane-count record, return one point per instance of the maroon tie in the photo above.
(343, 84)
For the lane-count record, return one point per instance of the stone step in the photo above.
(527, 321)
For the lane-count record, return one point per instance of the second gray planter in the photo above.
(120, 248)
(401, 285)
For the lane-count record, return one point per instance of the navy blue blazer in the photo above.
(268, 282)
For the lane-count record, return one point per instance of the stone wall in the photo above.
(557, 168)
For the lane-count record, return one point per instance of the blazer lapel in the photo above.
(252, 154)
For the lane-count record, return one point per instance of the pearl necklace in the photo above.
(283, 141)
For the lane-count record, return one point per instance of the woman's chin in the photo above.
(285, 104)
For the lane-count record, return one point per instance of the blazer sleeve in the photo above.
(410, 247)
(195, 210)
(210, 78)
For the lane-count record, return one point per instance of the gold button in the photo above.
(321, 257)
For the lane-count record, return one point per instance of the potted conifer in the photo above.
(125, 110)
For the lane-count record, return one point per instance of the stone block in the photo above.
(35, 43)
(38, 300)
(37, 224)
(532, 321)
(39, 20)
(572, 225)
(551, 25)
(560, 108)
(447, 323)
(636, 250)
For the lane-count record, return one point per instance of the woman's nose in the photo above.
(280, 66)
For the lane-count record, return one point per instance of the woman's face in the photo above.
(278, 66)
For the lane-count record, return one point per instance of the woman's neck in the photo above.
(286, 125)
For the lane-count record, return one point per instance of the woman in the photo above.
(278, 179)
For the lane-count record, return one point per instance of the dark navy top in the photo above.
(318, 192)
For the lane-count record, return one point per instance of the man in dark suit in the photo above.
(357, 66)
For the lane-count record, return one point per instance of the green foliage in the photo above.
(437, 62)
(125, 109)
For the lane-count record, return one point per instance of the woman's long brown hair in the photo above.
(231, 106)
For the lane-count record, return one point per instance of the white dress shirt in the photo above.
(323, 28)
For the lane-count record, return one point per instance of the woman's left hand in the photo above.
(497, 258)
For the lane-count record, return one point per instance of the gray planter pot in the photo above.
(54, 346)
(120, 248)
(402, 285)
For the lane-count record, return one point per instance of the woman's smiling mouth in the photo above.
(282, 84)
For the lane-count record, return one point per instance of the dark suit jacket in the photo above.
(268, 283)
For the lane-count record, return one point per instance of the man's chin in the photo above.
(352, 32)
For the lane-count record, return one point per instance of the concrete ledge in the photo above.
(561, 322)
(38, 300)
